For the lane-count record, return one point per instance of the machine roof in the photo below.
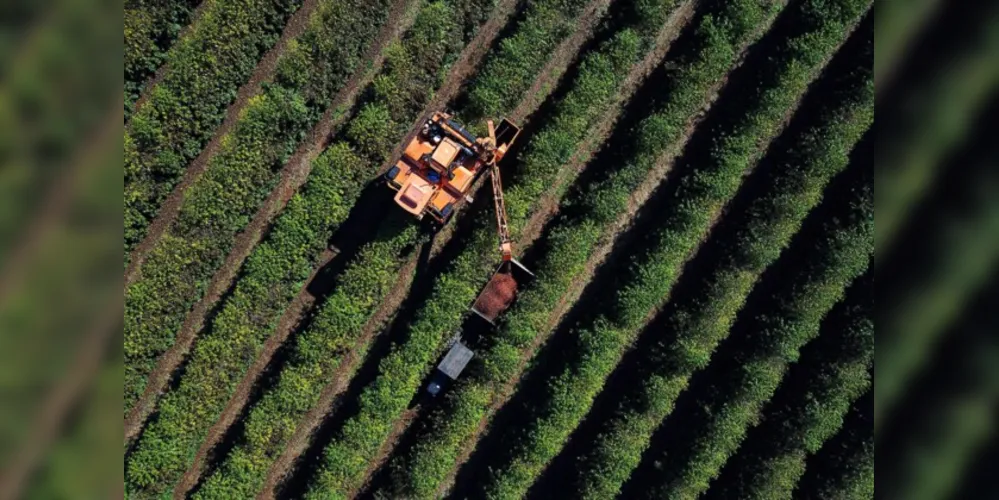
(456, 360)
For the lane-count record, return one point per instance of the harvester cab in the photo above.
(441, 164)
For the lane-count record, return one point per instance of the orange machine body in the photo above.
(439, 167)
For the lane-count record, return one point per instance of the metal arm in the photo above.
(506, 244)
(488, 155)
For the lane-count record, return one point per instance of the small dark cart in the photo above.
(450, 367)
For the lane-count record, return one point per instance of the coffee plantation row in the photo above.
(634, 187)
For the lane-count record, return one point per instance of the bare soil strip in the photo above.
(58, 199)
(263, 72)
(60, 402)
(293, 176)
(601, 132)
(161, 72)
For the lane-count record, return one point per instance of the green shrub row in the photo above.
(83, 462)
(403, 369)
(701, 319)
(277, 268)
(422, 470)
(958, 264)
(934, 115)
(318, 352)
(206, 69)
(73, 264)
(511, 71)
(772, 460)
(692, 203)
(788, 318)
(238, 179)
(51, 103)
(275, 420)
(844, 468)
(151, 26)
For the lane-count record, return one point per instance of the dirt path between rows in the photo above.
(173, 203)
(293, 175)
(161, 72)
(600, 133)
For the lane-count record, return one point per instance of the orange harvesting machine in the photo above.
(434, 177)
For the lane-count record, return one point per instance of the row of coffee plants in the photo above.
(73, 265)
(238, 179)
(400, 373)
(692, 202)
(277, 268)
(205, 69)
(504, 78)
(833, 372)
(930, 116)
(53, 102)
(251, 458)
(317, 355)
(955, 266)
(421, 471)
(844, 467)
(754, 239)
(151, 26)
(782, 322)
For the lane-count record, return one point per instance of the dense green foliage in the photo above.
(692, 203)
(844, 468)
(73, 265)
(151, 26)
(400, 373)
(206, 69)
(396, 96)
(422, 471)
(507, 75)
(318, 353)
(277, 268)
(238, 179)
(933, 116)
(833, 373)
(754, 239)
(51, 103)
(783, 321)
